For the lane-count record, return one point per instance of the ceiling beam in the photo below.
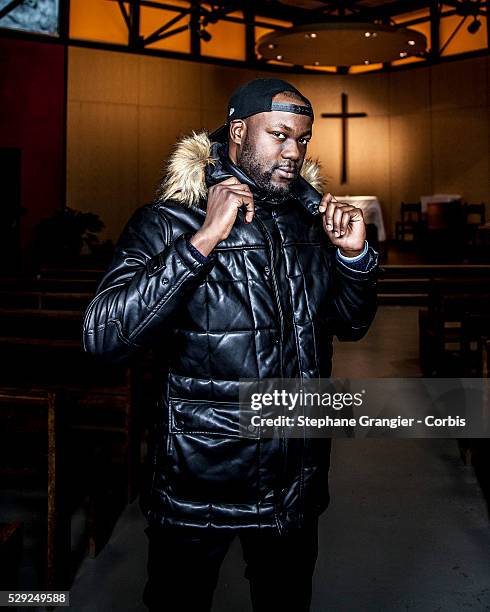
(487, 4)
(134, 23)
(249, 16)
(398, 7)
(435, 41)
(275, 8)
(195, 27)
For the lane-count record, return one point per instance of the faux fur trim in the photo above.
(184, 177)
(311, 172)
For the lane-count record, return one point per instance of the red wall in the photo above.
(32, 118)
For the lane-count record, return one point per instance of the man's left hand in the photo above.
(344, 225)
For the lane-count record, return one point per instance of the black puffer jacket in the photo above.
(266, 304)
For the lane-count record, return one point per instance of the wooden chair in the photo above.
(475, 326)
(474, 217)
(450, 301)
(31, 451)
(442, 238)
(474, 214)
(485, 357)
(409, 225)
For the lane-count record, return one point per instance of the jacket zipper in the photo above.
(275, 287)
(281, 320)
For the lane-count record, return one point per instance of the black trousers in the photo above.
(184, 563)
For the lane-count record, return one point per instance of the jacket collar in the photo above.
(224, 167)
(196, 163)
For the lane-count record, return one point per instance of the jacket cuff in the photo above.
(195, 264)
(196, 253)
(359, 262)
(364, 267)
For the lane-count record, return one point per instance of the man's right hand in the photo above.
(224, 200)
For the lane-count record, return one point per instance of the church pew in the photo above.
(47, 271)
(50, 300)
(485, 357)
(440, 334)
(476, 451)
(411, 284)
(106, 421)
(61, 365)
(31, 452)
(41, 323)
(475, 329)
(76, 449)
(100, 415)
(437, 271)
(60, 284)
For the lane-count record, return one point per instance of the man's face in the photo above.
(274, 148)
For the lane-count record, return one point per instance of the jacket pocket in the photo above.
(204, 416)
(207, 460)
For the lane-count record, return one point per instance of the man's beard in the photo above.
(254, 166)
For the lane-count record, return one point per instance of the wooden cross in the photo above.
(344, 115)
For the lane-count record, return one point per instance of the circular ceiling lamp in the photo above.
(341, 43)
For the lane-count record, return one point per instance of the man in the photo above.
(240, 270)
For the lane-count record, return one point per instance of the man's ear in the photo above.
(238, 129)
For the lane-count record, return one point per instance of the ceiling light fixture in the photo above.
(474, 26)
(279, 57)
(341, 43)
(204, 35)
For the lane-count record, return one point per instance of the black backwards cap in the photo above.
(256, 97)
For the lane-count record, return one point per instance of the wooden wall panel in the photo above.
(368, 93)
(459, 84)
(426, 130)
(323, 91)
(217, 83)
(460, 153)
(368, 167)
(159, 128)
(102, 160)
(410, 161)
(211, 119)
(169, 83)
(325, 146)
(409, 92)
(102, 76)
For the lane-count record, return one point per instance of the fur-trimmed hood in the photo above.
(191, 161)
